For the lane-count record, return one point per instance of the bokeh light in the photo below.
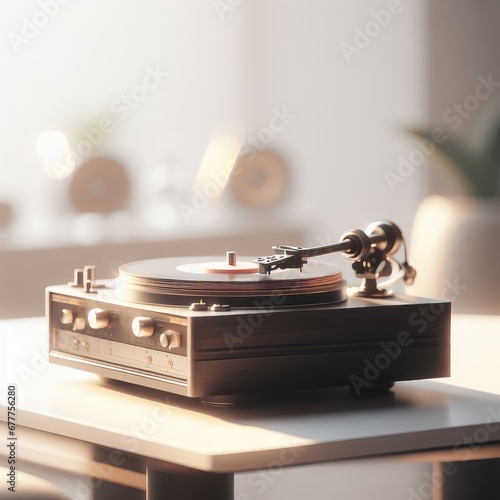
(52, 145)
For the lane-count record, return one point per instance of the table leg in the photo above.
(188, 485)
(471, 480)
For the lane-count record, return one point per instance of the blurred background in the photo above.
(135, 129)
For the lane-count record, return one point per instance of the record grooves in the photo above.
(181, 282)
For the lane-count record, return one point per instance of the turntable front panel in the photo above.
(111, 349)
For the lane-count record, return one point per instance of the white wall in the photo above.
(346, 134)
(229, 67)
(71, 73)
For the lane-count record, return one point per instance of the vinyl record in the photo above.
(186, 280)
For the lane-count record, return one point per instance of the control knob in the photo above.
(170, 339)
(66, 316)
(143, 326)
(98, 318)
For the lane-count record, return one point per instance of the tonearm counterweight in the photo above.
(371, 251)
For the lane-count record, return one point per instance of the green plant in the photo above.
(479, 166)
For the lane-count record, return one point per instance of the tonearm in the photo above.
(371, 250)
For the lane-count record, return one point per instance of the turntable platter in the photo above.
(186, 280)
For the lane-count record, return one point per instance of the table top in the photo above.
(321, 425)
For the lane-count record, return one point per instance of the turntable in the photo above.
(215, 328)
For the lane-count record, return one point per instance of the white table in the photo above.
(76, 422)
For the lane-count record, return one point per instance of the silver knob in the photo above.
(66, 316)
(98, 318)
(174, 340)
(142, 326)
(170, 339)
